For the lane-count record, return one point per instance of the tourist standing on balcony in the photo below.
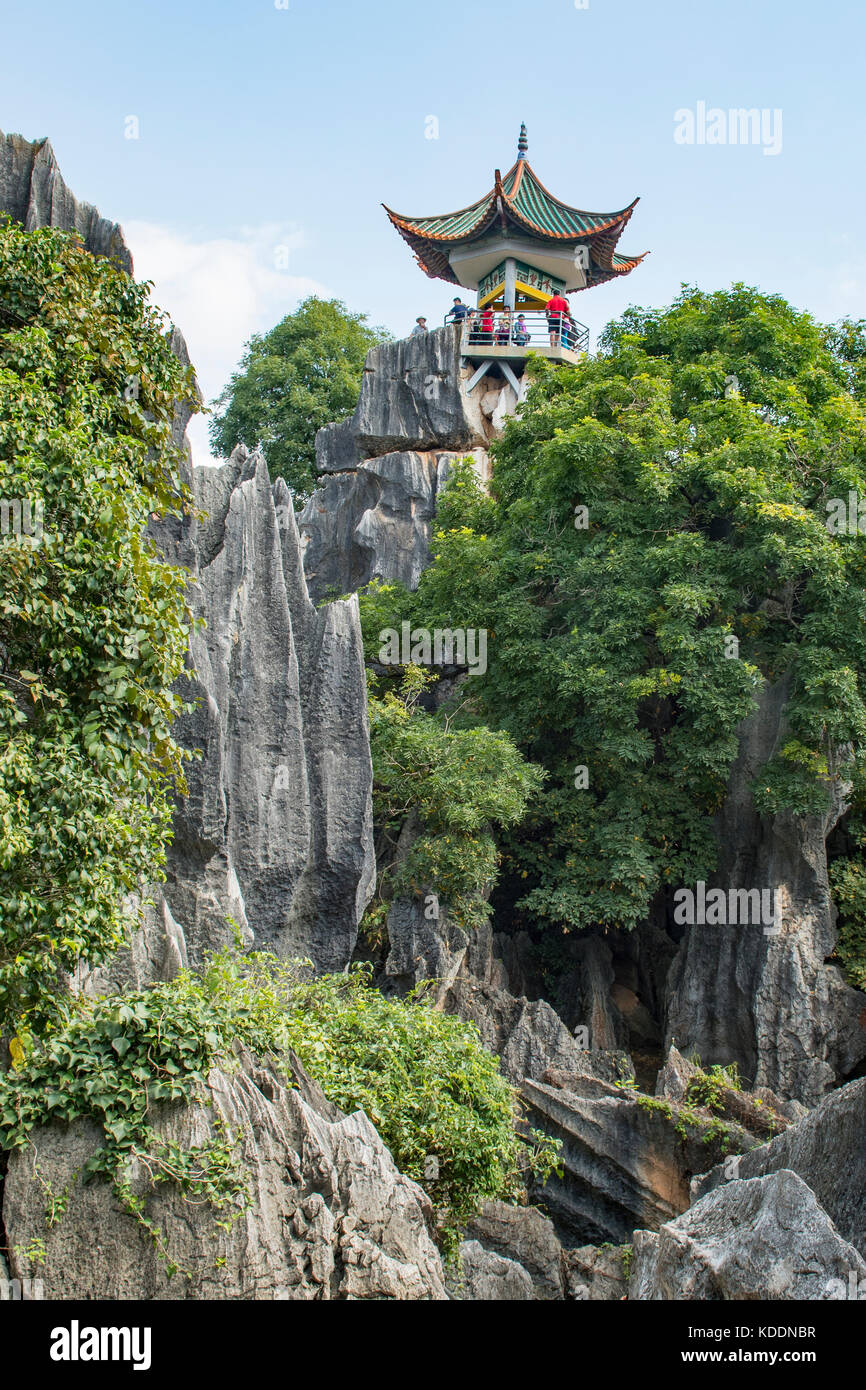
(459, 312)
(486, 326)
(521, 332)
(503, 329)
(557, 310)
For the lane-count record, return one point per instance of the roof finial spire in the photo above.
(522, 143)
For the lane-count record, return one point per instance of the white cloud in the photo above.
(219, 292)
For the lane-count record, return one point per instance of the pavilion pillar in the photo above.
(510, 291)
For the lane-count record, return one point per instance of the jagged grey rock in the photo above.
(827, 1150)
(525, 1237)
(276, 832)
(489, 1278)
(413, 397)
(374, 522)
(627, 1159)
(675, 1074)
(770, 1002)
(766, 1238)
(330, 1217)
(156, 951)
(33, 192)
(527, 1035)
(589, 998)
(763, 1115)
(596, 1273)
(382, 467)
(337, 449)
(421, 948)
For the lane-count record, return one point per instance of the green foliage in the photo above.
(708, 1087)
(706, 441)
(428, 1086)
(848, 884)
(301, 375)
(93, 626)
(113, 1061)
(456, 784)
(688, 1124)
(422, 1077)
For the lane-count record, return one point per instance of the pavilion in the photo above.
(517, 247)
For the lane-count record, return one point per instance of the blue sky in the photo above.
(268, 137)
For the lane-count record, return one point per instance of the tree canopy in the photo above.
(658, 544)
(305, 373)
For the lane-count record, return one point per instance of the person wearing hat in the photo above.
(420, 326)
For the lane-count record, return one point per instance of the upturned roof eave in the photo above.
(487, 208)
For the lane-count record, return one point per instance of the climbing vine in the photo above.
(94, 625)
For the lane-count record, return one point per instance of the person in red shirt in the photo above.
(556, 309)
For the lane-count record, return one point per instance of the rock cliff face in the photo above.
(277, 829)
(382, 468)
(276, 833)
(769, 1000)
(33, 192)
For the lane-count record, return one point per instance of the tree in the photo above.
(664, 535)
(93, 624)
(301, 375)
(455, 784)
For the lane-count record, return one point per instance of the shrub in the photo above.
(423, 1078)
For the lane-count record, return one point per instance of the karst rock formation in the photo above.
(276, 836)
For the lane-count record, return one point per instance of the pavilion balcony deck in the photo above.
(570, 340)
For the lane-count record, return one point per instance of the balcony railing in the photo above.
(526, 331)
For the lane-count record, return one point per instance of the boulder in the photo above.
(827, 1150)
(765, 1238)
(596, 1273)
(524, 1236)
(489, 1278)
(330, 1216)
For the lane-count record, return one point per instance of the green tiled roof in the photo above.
(547, 214)
(454, 226)
(521, 203)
